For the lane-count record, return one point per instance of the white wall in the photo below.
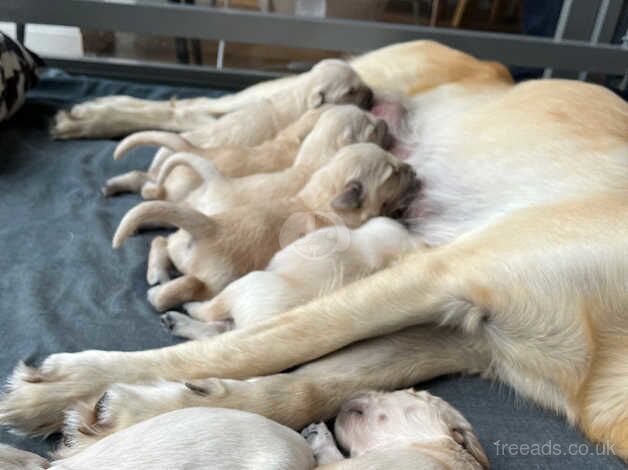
(64, 41)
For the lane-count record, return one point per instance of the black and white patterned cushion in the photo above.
(18, 73)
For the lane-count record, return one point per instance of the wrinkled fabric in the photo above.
(62, 287)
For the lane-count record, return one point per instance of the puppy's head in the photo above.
(360, 182)
(375, 420)
(340, 126)
(334, 81)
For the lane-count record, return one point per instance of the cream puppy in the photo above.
(337, 127)
(402, 430)
(381, 431)
(362, 181)
(330, 81)
(202, 438)
(312, 266)
(235, 160)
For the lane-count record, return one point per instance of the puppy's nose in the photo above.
(388, 141)
(367, 101)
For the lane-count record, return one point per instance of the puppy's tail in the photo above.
(190, 220)
(14, 459)
(171, 140)
(205, 169)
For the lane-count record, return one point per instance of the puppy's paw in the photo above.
(157, 275)
(95, 118)
(154, 297)
(185, 327)
(35, 398)
(169, 321)
(120, 406)
(76, 124)
(318, 435)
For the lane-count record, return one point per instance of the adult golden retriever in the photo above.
(525, 208)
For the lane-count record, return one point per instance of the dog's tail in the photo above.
(170, 140)
(190, 220)
(205, 169)
(15, 459)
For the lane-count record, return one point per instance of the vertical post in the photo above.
(577, 22)
(220, 55)
(20, 33)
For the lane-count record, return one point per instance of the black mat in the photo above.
(62, 287)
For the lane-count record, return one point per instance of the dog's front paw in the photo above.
(35, 397)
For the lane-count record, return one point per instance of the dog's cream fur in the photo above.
(525, 205)
(337, 127)
(312, 266)
(399, 430)
(235, 161)
(360, 182)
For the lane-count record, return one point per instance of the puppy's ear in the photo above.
(467, 439)
(351, 198)
(316, 98)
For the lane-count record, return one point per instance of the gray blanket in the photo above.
(62, 287)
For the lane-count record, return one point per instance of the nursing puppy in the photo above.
(336, 128)
(202, 438)
(330, 81)
(362, 181)
(403, 430)
(235, 160)
(312, 266)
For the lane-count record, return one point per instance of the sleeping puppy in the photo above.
(403, 430)
(201, 438)
(236, 160)
(362, 181)
(337, 127)
(312, 266)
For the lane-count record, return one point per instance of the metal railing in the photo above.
(581, 43)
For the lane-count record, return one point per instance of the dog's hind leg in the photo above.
(313, 392)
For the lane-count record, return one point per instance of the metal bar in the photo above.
(20, 33)
(600, 21)
(560, 30)
(228, 79)
(305, 32)
(577, 23)
(610, 12)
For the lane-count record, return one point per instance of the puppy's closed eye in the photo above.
(351, 198)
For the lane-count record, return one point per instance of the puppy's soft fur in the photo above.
(524, 208)
(312, 266)
(362, 181)
(403, 430)
(194, 438)
(15, 459)
(337, 127)
(411, 429)
(260, 119)
(234, 161)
